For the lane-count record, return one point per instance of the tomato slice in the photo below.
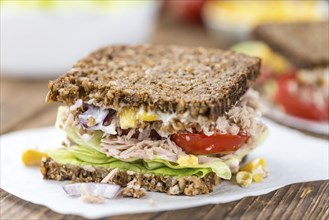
(199, 143)
(293, 105)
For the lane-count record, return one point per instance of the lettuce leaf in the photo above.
(83, 156)
(217, 166)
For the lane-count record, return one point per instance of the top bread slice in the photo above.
(305, 45)
(165, 78)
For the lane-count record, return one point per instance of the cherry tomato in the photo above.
(293, 104)
(199, 143)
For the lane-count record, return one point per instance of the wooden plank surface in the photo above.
(22, 107)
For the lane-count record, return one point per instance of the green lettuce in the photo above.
(83, 156)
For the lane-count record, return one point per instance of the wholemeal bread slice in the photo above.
(305, 45)
(173, 185)
(165, 78)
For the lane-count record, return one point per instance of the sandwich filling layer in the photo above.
(139, 140)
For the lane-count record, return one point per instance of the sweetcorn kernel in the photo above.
(128, 118)
(254, 165)
(188, 160)
(257, 177)
(32, 157)
(146, 116)
(257, 168)
(244, 178)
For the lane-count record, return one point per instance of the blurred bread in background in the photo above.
(232, 21)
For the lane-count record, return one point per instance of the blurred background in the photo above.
(41, 39)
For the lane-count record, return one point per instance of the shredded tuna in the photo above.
(130, 134)
(144, 133)
(128, 150)
(110, 176)
(132, 149)
(207, 130)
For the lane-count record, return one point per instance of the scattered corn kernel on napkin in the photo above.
(291, 157)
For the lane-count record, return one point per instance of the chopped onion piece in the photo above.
(76, 105)
(94, 189)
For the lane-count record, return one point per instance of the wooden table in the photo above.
(22, 107)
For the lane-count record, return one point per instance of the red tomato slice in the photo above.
(217, 143)
(293, 105)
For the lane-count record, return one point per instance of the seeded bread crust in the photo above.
(165, 78)
(305, 45)
(190, 185)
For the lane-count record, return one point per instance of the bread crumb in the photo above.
(133, 192)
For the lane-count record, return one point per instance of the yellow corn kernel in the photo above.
(257, 168)
(128, 118)
(257, 177)
(253, 165)
(32, 157)
(244, 178)
(188, 160)
(146, 116)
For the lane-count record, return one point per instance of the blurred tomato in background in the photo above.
(187, 10)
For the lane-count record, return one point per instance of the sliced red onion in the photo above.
(104, 119)
(107, 120)
(97, 113)
(93, 189)
(85, 106)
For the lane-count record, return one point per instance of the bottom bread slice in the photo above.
(180, 185)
